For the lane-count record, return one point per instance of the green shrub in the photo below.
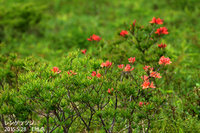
(111, 89)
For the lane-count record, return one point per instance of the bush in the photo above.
(84, 92)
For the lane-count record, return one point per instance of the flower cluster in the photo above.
(162, 30)
(155, 75)
(164, 61)
(106, 64)
(162, 45)
(121, 66)
(56, 70)
(146, 84)
(94, 38)
(127, 68)
(123, 33)
(148, 68)
(152, 74)
(94, 73)
(131, 60)
(156, 21)
(70, 72)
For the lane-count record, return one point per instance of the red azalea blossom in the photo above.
(94, 38)
(128, 68)
(131, 60)
(152, 85)
(162, 30)
(159, 21)
(162, 45)
(140, 104)
(94, 74)
(123, 33)
(134, 23)
(103, 64)
(56, 70)
(121, 66)
(164, 61)
(83, 51)
(155, 75)
(109, 91)
(153, 20)
(147, 68)
(89, 77)
(106, 64)
(145, 84)
(145, 78)
(156, 21)
(98, 75)
(70, 72)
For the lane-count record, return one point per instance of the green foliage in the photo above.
(18, 19)
(73, 100)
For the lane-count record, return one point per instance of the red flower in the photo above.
(83, 51)
(148, 68)
(152, 85)
(153, 20)
(131, 60)
(162, 30)
(128, 68)
(98, 75)
(106, 64)
(155, 75)
(56, 70)
(89, 77)
(70, 72)
(123, 33)
(162, 45)
(94, 74)
(145, 78)
(156, 21)
(109, 91)
(145, 84)
(121, 66)
(140, 104)
(94, 38)
(134, 23)
(164, 61)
